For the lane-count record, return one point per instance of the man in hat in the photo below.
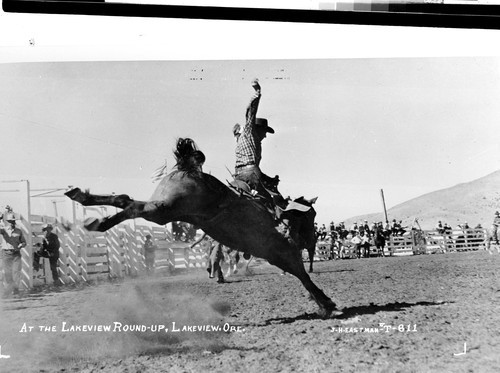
(249, 148)
(149, 254)
(50, 250)
(13, 242)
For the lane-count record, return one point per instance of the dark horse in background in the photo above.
(187, 194)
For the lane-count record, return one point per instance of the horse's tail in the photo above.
(189, 158)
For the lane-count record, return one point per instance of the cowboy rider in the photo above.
(249, 148)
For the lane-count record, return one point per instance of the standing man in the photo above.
(249, 148)
(215, 256)
(50, 249)
(496, 223)
(149, 254)
(14, 241)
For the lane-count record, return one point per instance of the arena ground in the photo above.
(429, 313)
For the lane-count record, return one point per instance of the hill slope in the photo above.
(474, 202)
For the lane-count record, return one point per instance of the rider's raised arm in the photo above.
(251, 112)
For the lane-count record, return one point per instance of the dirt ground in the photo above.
(430, 313)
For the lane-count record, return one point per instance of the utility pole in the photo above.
(383, 204)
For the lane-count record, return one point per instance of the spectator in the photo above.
(365, 244)
(342, 231)
(354, 229)
(149, 251)
(13, 242)
(322, 232)
(332, 228)
(215, 256)
(395, 227)
(366, 227)
(356, 240)
(439, 227)
(496, 223)
(49, 249)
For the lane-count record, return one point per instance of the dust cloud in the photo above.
(141, 317)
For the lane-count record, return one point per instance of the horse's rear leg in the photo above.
(108, 222)
(147, 210)
(121, 201)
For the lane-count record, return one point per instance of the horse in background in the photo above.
(190, 195)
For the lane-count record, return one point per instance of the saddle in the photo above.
(277, 206)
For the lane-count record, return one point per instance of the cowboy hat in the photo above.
(261, 123)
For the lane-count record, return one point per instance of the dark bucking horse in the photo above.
(187, 194)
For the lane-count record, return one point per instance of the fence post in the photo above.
(26, 280)
(136, 261)
(71, 248)
(116, 252)
(84, 239)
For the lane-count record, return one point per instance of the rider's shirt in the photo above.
(249, 148)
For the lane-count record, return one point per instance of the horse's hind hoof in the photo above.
(76, 195)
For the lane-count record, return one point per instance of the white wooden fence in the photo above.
(116, 253)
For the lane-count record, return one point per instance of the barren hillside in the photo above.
(474, 202)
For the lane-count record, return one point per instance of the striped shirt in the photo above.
(248, 146)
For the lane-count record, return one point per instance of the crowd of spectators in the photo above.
(362, 229)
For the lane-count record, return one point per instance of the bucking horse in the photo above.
(190, 195)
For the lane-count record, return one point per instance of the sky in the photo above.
(99, 103)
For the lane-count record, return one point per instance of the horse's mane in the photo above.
(188, 157)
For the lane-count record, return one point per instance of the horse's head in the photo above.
(299, 217)
(189, 158)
